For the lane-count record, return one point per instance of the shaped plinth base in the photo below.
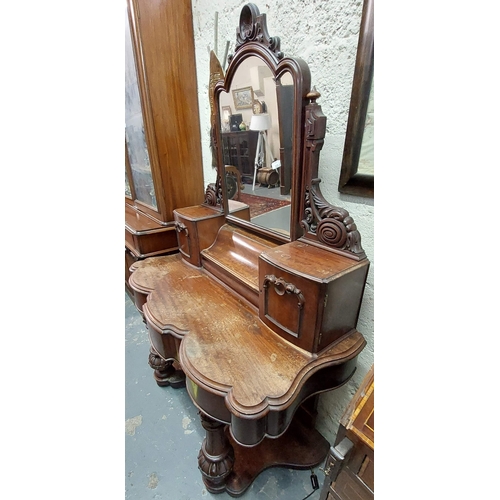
(300, 447)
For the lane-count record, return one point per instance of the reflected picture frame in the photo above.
(243, 98)
(226, 113)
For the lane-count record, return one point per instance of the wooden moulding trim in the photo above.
(163, 329)
(163, 229)
(189, 218)
(280, 403)
(278, 420)
(138, 288)
(272, 422)
(159, 253)
(297, 272)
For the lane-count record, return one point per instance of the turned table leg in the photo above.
(216, 457)
(165, 373)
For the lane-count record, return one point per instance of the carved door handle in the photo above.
(179, 227)
(281, 287)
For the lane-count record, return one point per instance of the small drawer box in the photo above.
(319, 288)
(197, 228)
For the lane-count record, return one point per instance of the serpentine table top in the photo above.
(238, 370)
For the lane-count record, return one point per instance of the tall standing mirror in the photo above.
(259, 107)
(357, 171)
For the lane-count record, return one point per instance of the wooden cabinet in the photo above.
(349, 466)
(163, 161)
(238, 149)
(259, 322)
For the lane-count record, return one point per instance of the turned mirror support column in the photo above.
(165, 373)
(216, 456)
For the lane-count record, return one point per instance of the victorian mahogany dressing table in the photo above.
(258, 322)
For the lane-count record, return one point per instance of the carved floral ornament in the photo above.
(332, 225)
(253, 27)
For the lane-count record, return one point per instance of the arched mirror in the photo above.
(259, 126)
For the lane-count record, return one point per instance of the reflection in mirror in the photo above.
(128, 192)
(366, 156)
(256, 135)
(135, 138)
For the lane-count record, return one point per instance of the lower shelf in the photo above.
(299, 447)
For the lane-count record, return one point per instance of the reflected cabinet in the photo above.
(239, 151)
(163, 162)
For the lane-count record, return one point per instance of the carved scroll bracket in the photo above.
(324, 223)
(213, 194)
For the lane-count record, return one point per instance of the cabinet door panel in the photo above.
(348, 488)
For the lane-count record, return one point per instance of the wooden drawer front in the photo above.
(348, 487)
(364, 423)
(367, 472)
(148, 244)
(156, 243)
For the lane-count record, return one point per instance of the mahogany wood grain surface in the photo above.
(235, 256)
(229, 352)
(166, 36)
(259, 323)
(300, 447)
(310, 261)
(146, 273)
(163, 52)
(309, 296)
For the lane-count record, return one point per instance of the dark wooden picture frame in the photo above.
(243, 98)
(351, 181)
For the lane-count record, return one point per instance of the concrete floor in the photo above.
(163, 435)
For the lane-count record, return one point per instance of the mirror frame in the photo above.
(252, 39)
(350, 181)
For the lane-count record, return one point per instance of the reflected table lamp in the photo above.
(260, 123)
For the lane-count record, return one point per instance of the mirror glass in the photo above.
(366, 154)
(256, 120)
(135, 138)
